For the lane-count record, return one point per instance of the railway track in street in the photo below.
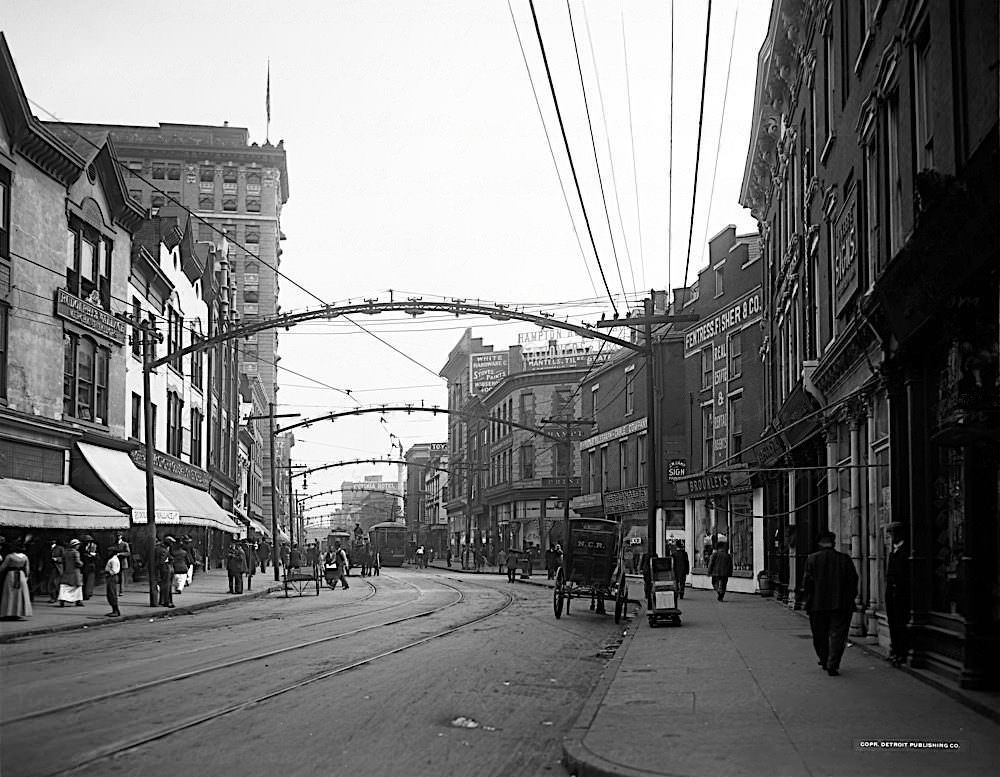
(231, 671)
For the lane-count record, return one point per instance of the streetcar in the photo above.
(388, 539)
(592, 566)
(346, 542)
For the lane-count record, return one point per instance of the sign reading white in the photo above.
(486, 370)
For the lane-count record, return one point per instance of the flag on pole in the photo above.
(267, 101)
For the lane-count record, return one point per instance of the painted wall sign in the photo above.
(90, 316)
(613, 434)
(744, 310)
(845, 260)
(541, 360)
(629, 500)
(486, 370)
(171, 467)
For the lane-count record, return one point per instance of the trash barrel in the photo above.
(763, 583)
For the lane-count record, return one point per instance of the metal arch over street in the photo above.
(411, 409)
(334, 464)
(413, 307)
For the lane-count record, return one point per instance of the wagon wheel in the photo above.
(559, 594)
(621, 598)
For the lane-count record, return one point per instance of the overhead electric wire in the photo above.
(607, 137)
(569, 154)
(670, 157)
(718, 143)
(215, 229)
(697, 155)
(593, 145)
(631, 132)
(552, 153)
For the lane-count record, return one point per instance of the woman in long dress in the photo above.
(15, 600)
(71, 582)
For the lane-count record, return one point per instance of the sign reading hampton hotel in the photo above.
(93, 317)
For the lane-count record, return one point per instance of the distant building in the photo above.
(418, 465)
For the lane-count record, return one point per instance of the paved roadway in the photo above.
(412, 673)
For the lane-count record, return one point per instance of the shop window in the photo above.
(4, 323)
(88, 264)
(4, 213)
(197, 422)
(136, 416)
(741, 532)
(85, 379)
(735, 355)
(707, 436)
(707, 366)
(735, 427)
(629, 391)
(175, 437)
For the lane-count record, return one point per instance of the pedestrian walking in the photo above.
(284, 554)
(112, 576)
(15, 598)
(89, 556)
(720, 568)
(179, 566)
(188, 544)
(829, 584)
(450, 556)
(501, 560)
(340, 561)
(897, 592)
(236, 565)
(420, 556)
(54, 570)
(250, 549)
(550, 564)
(124, 552)
(682, 566)
(71, 581)
(295, 558)
(376, 562)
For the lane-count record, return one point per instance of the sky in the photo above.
(418, 161)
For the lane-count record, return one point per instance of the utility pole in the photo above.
(647, 321)
(272, 434)
(149, 339)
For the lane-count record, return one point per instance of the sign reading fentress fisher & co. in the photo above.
(93, 317)
(486, 370)
(741, 312)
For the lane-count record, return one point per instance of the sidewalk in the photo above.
(208, 589)
(736, 691)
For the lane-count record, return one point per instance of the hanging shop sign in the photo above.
(677, 468)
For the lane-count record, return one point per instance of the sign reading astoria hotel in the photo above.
(91, 316)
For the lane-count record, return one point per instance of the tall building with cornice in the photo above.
(236, 188)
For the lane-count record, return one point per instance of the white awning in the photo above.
(196, 507)
(53, 506)
(128, 483)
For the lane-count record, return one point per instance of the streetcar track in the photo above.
(225, 665)
(126, 746)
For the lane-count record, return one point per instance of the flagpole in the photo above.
(267, 104)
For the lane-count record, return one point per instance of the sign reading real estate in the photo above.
(486, 370)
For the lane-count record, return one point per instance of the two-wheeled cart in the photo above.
(661, 596)
(591, 567)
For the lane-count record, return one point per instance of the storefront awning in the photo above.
(128, 483)
(196, 507)
(259, 527)
(53, 506)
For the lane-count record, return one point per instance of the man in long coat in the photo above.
(897, 592)
(682, 565)
(236, 565)
(720, 568)
(830, 584)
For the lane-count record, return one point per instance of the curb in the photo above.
(577, 758)
(157, 613)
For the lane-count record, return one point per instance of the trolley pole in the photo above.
(149, 338)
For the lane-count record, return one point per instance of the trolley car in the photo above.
(388, 539)
(591, 566)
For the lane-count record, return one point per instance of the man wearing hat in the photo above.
(897, 592)
(71, 581)
(830, 584)
(88, 555)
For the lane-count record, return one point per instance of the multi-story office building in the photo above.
(237, 189)
(433, 514)
(872, 173)
(722, 383)
(418, 467)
